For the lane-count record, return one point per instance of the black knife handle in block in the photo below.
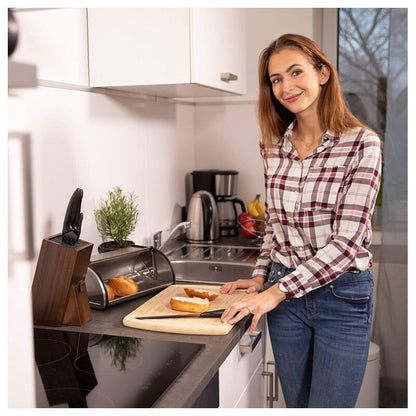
(71, 229)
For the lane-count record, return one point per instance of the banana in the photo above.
(251, 208)
(256, 208)
(259, 206)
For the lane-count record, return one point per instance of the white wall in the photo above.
(227, 138)
(97, 142)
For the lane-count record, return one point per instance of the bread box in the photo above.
(149, 267)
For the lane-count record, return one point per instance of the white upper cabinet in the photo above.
(218, 46)
(168, 52)
(55, 40)
(131, 47)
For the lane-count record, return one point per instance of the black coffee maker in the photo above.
(222, 184)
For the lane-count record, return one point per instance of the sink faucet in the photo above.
(157, 238)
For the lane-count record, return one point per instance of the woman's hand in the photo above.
(257, 305)
(252, 285)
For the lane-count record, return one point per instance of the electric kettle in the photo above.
(202, 214)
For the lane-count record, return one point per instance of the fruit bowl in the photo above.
(251, 227)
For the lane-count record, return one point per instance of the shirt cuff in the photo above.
(282, 288)
(260, 270)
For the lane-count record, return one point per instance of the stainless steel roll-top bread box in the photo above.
(148, 267)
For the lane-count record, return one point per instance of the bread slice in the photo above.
(201, 293)
(186, 304)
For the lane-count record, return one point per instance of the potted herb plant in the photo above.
(116, 219)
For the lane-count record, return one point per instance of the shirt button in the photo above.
(279, 273)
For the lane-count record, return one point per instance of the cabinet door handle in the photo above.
(271, 395)
(270, 388)
(255, 337)
(228, 76)
(276, 384)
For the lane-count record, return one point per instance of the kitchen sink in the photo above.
(212, 264)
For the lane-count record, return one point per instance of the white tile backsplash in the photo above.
(227, 137)
(96, 142)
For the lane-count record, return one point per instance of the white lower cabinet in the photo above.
(248, 377)
(254, 395)
(241, 383)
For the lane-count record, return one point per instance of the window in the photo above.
(372, 65)
(363, 53)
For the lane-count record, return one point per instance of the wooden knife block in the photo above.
(59, 294)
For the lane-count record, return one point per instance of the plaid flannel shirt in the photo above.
(318, 210)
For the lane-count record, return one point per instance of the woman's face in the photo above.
(296, 83)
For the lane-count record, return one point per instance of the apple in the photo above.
(245, 217)
(248, 229)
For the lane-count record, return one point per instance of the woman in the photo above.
(322, 174)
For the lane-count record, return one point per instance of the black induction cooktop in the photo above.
(76, 369)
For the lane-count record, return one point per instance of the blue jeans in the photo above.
(321, 340)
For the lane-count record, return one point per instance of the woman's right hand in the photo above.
(254, 284)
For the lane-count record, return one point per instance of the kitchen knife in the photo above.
(210, 314)
(73, 218)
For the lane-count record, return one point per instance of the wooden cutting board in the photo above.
(160, 305)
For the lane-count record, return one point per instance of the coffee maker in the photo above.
(222, 184)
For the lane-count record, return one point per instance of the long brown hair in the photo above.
(274, 119)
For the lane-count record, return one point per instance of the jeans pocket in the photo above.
(353, 287)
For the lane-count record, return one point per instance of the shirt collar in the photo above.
(329, 138)
(286, 143)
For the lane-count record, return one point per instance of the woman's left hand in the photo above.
(257, 305)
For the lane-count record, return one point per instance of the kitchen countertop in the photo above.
(188, 386)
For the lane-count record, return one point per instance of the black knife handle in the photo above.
(71, 229)
(212, 314)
